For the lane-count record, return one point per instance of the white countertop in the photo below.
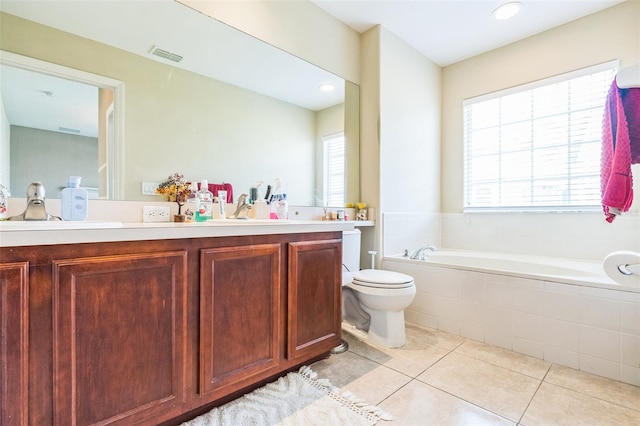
(30, 233)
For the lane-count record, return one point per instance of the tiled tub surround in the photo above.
(579, 235)
(596, 330)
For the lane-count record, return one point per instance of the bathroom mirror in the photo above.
(62, 122)
(178, 120)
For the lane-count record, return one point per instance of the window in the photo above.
(537, 146)
(333, 170)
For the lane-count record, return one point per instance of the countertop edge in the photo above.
(160, 231)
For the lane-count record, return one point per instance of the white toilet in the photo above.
(373, 300)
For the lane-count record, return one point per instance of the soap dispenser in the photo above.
(192, 203)
(74, 200)
(205, 202)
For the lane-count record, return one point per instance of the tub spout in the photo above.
(420, 253)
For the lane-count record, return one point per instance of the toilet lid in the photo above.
(381, 278)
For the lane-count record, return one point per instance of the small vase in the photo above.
(179, 218)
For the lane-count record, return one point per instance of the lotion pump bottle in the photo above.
(260, 206)
(205, 202)
(74, 200)
(278, 203)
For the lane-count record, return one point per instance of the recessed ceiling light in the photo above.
(327, 87)
(507, 10)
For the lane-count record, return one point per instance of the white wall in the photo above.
(610, 34)
(5, 151)
(409, 128)
(408, 122)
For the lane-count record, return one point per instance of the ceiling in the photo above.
(444, 31)
(448, 31)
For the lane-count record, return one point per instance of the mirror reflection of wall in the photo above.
(181, 121)
(51, 118)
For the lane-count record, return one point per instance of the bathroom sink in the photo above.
(47, 225)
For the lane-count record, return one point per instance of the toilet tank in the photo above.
(351, 250)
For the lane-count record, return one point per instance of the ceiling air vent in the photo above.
(165, 54)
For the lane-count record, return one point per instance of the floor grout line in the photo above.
(450, 346)
(534, 395)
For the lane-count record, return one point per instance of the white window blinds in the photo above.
(334, 170)
(537, 147)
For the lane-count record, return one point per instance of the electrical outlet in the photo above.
(155, 214)
(149, 188)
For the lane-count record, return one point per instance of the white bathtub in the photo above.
(564, 270)
(565, 311)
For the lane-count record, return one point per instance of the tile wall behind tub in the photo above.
(409, 231)
(591, 329)
(574, 235)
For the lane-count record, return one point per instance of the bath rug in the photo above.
(297, 399)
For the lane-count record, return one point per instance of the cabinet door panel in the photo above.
(14, 327)
(314, 297)
(239, 315)
(119, 337)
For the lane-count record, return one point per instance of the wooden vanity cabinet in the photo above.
(119, 337)
(14, 329)
(144, 332)
(314, 309)
(240, 316)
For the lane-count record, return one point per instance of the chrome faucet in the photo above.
(35, 205)
(419, 254)
(242, 210)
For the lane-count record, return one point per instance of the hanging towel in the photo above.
(620, 148)
(215, 187)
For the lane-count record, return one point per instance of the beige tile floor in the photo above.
(440, 379)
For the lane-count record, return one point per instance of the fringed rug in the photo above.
(297, 399)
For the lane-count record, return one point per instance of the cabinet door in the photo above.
(240, 316)
(14, 326)
(314, 297)
(119, 337)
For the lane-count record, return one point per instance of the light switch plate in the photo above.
(149, 188)
(155, 214)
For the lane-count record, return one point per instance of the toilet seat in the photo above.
(379, 278)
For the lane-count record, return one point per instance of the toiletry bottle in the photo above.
(4, 202)
(74, 200)
(278, 204)
(222, 203)
(260, 207)
(191, 205)
(205, 202)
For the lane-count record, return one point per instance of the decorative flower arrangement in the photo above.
(175, 189)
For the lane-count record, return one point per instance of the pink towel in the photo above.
(215, 187)
(620, 148)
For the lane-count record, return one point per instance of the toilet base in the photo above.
(385, 335)
(387, 328)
